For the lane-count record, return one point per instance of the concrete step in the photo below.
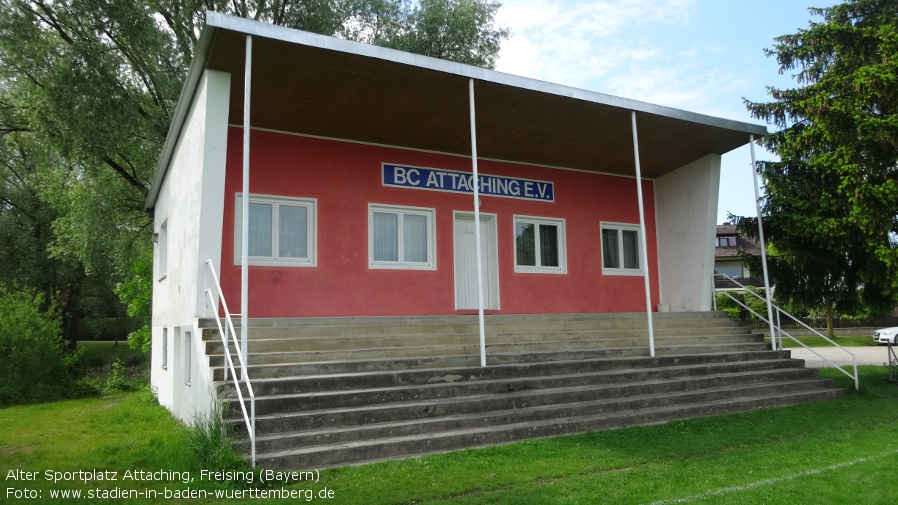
(436, 337)
(376, 360)
(609, 318)
(648, 409)
(467, 325)
(350, 408)
(305, 355)
(333, 391)
(465, 374)
(307, 437)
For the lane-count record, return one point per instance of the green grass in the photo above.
(100, 354)
(841, 451)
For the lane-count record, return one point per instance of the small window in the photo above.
(401, 237)
(281, 231)
(539, 245)
(164, 348)
(162, 250)
(188, 346)
(621, 249)
(726, 241)
(734, 271)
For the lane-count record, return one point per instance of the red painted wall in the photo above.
(346, 177)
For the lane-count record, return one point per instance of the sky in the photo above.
(702, 56)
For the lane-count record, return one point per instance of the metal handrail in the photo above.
(250, 417)
(778, 327)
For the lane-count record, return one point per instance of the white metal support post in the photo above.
(244, 244)
(642, 239)
(754, 172)
(476, 185)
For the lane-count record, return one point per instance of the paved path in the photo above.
(872, 355)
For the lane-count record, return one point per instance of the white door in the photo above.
(466, 262)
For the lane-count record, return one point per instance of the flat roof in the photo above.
(322, 86)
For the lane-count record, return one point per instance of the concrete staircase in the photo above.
(338, 391)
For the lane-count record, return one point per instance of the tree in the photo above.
(831, 203)
(36, 367)
(87, 93)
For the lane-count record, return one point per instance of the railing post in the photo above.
(244, 251)
(754, 172)
(477, 240)
(642, 238)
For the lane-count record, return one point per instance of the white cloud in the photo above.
(579, 42)
(639, 49)
(684, 86)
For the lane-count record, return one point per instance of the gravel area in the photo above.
(872, 355)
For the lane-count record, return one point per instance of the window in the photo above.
(621, 249)
(401, 237)
(734, 271)
(281, 231)
(188, 346)
(539, 245)
(162, 250)
(726, 241)
(164, 348)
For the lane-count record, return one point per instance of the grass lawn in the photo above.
(841, 451)
(815, 341)
(102, 353)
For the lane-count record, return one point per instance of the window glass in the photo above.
(293, 231)
(164, 347)
(415, 238)
(525, 243)
(386, 237)
(162, 250)
(548, 245)
(610, 248)
(631, 248)
(259, 229)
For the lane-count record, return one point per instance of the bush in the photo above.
(117, 381)
(210, 441)
(36, 366)
(756, 303)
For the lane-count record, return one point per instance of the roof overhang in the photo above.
(321, 86)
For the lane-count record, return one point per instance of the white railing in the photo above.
(229, 330)
(779, 329)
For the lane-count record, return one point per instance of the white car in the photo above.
(886, 336)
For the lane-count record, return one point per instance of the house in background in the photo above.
(360, 163)
(729, 251)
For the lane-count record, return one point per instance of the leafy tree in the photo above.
(831, 202)
(87, 93)
(36, 366)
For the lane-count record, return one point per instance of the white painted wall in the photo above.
(686, 210)
(191, 203)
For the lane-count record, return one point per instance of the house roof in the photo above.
(322, 86)
(726, 229)
(743, 245)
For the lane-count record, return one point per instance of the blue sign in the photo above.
(463, 182)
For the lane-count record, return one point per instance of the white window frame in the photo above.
(620, 228)
(162, 250)
(311, 205)
(562, 245)
(430, 216)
